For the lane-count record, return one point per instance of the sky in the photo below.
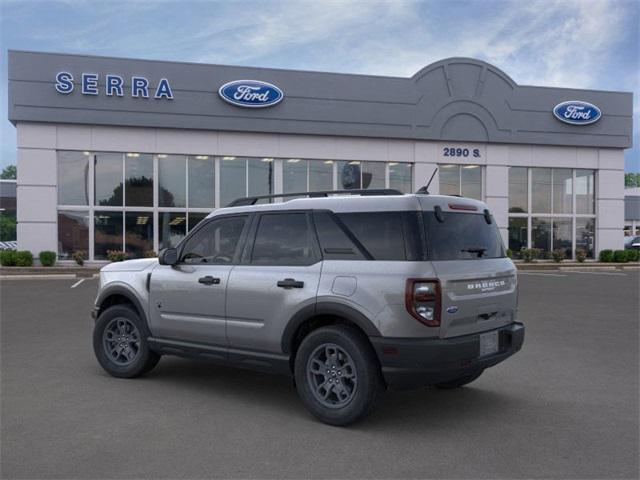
(567, 43)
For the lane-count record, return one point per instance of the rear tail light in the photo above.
(422, 299)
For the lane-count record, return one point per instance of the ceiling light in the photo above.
(162, 155)
(328, 162)
(293, 160)
(470, 166)
(133, 155)
(267, 159)
(354, 163)
(393, 164)
(85, 153)
(202, 157)
(228, 158)
(177, 221)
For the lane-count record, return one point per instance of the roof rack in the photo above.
(244, 201)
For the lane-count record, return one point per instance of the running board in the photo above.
(252, 360)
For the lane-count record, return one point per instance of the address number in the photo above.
(460, 152)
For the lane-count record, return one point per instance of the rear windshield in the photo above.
(462, 236)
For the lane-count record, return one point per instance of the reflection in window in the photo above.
(585, 235)
(260, 176)
(73, 178)
(171, 177)
(195, 218)
(562, 235)
(562, 190)
(73, 233)
(108, 179)
(172, 227)
(373, 175)
(283, 239)
(449, 179)
(201, 181)
(585, 197)
(320, 175)
(214, 243)
(541, 190)
(233, 179)
(138, 172)
(400, 177)
(518, 190)
(541, 235)
(294, 175)
(108, 233)
(138, 233)
(517, 235)
(471, 181)
(356, 175)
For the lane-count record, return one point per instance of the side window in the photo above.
(335, 243)
(215, 243)
(379, 232)
(284, 239)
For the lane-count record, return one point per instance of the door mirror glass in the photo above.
(168, 256)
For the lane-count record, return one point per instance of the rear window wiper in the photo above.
(479, 251)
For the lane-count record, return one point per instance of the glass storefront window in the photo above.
(541, 190)
(471, 181)
(73, 233)
(294, 176)
(585, 235)
(73, 178)
(138, 233)
(195, 218)
(201, 181)
(562, 190)
(585, 192)
(518, 190)
(320, 175)
(449, 179)
(172, 191)
(260, 176)
(107, 233)
(233, 179)
(373, 174)
(138, 174)
(108, 179)
(562, 235)
(172, 227)
(349, 175)
(541, 235)
(400, 177)
(517, 235)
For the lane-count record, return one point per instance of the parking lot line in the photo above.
(543, 274)
(78, 283)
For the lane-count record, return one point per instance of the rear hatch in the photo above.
(478, 282)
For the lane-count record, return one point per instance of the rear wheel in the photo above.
(337, 375)
(459, 382)
(120, 343)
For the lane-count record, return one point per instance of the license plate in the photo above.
(488, 343)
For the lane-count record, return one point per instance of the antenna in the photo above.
(425, 190)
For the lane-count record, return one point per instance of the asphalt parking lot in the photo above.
(566, 406)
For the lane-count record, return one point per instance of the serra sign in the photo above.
(113, 85)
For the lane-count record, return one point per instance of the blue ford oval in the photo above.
(250, 93)
(577, 112)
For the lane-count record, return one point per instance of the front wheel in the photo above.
(337, 375)
(120, 343)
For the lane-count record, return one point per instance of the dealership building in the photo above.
(124, 154)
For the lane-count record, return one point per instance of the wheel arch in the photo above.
(118, 295)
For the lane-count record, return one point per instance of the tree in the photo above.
(9, 173)
(632, 180)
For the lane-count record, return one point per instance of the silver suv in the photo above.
(349, 295)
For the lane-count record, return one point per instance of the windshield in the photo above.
(462, 236)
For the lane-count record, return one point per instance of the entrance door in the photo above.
(187, 300)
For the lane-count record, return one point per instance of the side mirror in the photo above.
(168, 256)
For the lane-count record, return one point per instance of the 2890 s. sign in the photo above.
(250, 93)
(577, 112)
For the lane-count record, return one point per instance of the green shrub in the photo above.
(558, 255)
(24, 258)
(620, 256)
(581, 255)
(633, 255)
(528, 254)
(47, 258)
(150, 254)
(116, 255)
(79, 256)
(606, 256)
(509, 253)
(8, 258)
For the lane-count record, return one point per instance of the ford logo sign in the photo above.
(452, 309)
(250, 93)
(577, 112)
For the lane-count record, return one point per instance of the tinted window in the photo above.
(284, 239)
(462, 236)
(334, 241)
(214, 243)
(379, 232)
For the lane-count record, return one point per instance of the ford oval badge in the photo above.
(577, 112)
(250, 93)
(452, 309)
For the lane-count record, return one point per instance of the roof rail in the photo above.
(244, 201)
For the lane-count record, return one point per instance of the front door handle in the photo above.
(290, 283)
(209, 280)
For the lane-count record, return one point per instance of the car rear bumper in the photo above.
(412, 363)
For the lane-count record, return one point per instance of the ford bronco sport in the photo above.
(349, 295)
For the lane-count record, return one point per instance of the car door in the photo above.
(279, 275)
(187, 300)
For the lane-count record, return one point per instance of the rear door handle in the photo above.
(290, 283)
(209, 280)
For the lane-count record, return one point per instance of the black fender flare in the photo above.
(326, 308)
(123, 291)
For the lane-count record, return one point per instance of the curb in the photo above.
(575, 266)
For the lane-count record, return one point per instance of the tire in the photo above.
(337, 375)
(459, 382)
(130, 358)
